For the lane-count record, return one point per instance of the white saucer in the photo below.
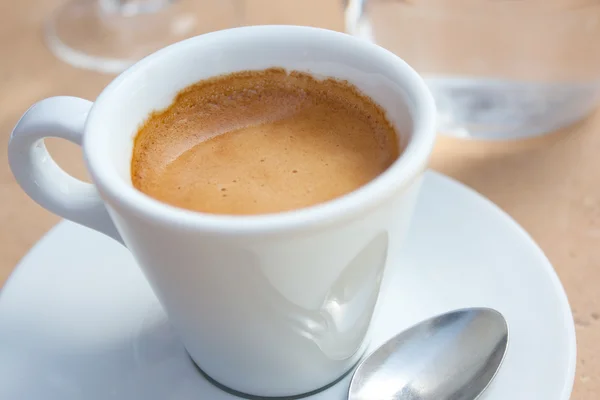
(78, 320)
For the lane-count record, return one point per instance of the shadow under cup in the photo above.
(274, 305)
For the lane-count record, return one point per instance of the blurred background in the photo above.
(517, 83)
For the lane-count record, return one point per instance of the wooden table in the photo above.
(550, 185)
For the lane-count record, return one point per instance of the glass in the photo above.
(498, 69)
(110, 35)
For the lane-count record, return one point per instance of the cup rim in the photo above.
(411, 162)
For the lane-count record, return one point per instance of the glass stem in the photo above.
(129, 8)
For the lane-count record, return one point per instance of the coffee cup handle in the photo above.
(39, 175)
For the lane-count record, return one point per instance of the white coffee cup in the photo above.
(268, 305)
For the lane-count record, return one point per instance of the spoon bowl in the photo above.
(453, 356)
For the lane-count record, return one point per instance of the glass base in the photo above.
(502, 109)
(85, 35)
(254, 397)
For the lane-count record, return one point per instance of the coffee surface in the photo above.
(261, 142)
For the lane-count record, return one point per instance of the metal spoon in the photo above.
(453, 356)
